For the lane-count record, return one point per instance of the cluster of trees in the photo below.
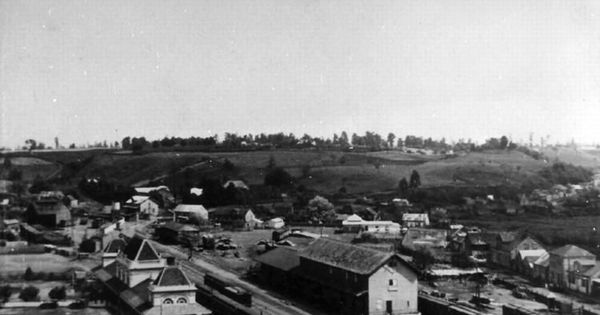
(104, 191)
(405, 186)
(370, 140)
(565, 173)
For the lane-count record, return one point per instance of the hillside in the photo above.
(325, 171)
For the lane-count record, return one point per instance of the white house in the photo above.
(143, 204)
(186, 212)
(275, 223)
(355, 223)
(415, 220)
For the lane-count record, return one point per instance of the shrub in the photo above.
(28, 276)
(58, 293)
(5, 292)
(30, 293)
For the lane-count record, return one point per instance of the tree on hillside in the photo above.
(403, 186)
(271, 164)
(7, 163)
(126, 143)
(390, 139)
(415, 180)
(32, 144)
(400, 143)
(278, 177)
(5, 292)
(58, 293)
(344, 139)
(30, 293)
(503, 142)
(320, 208)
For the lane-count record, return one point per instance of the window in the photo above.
(392, 285)
(181, 300)
(168, 301)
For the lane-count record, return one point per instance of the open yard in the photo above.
(16, 264)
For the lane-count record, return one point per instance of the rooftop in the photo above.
(571, 251)
(114, 246)
(171, 276)
(140, 249)
(345, 256)
(282, 258)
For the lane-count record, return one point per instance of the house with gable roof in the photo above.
(144, 205)
(567, 265)
(357, 280)
(137, 280)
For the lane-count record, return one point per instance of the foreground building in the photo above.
(567, 264)
(137, 280)
(346, 278)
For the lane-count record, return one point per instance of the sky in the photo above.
(87, 71)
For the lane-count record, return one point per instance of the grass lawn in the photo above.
(16, 264)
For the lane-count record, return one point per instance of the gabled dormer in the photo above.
(138, 261)
(172, 286)
(112, 250)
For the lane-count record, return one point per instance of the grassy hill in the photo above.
(325, 171)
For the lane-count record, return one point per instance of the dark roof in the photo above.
(346, 256)
(282, 258)
(571, 251)
(137, 296)
(506, 237)
(114, 246)
(171, 276)
(228, 211)
(140, 249)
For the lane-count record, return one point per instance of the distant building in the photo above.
(566, 263)
(49, 210)
(147, 190)
(144, 205)
(235, 217)
(355, 223)
(140, 281)
(237, 184)
(411, 220)
(507, 246)
(275, 223)
(525, 260)
(187, 213)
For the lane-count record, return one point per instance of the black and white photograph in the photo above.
(301, 157)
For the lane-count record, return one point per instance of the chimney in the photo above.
(170, 260)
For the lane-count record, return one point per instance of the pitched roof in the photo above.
(179, 227)
(228, 211)
(593, 272)
(147, 190)
(236, 184)
(137, 199)
(415, 217)
(140, 249)
(531, 253)
(190, 208)
(506, 237)
(345, 256)
(543, 260)
(571, 251)
(114, 246)
(171, 276)
(282, 258)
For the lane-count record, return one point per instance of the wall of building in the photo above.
(174, 293)
(397, 284)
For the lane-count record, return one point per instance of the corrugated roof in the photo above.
(171, 276)
(571, 251)
(345, 256)
(282, 258)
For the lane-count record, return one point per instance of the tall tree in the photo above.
(415, 179)
(403, 186)
(390, 139)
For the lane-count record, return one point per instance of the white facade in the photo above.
(393, 288)
(354, 222)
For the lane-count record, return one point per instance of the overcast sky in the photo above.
(86, 71)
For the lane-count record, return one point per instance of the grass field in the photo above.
(16, 264)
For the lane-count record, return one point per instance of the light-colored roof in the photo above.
(137, 199)
(543, 260)
(190, 208)
(236, 183)
(147, 190)
(196, 191)
(10, 221)
(355, 218)
(525, 253)
(415, 217)
(571, 251)
(593, 272)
